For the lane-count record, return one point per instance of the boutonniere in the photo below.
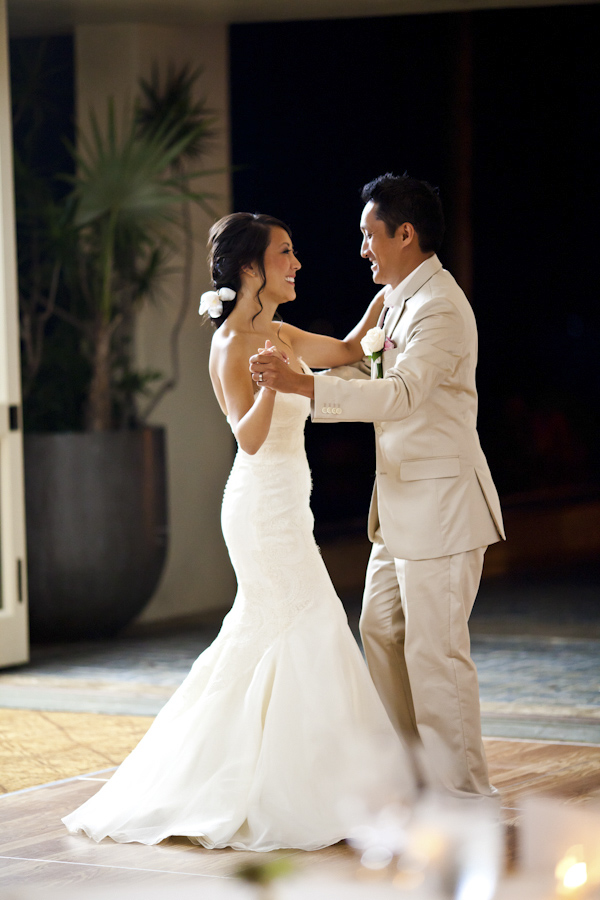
(374, 344)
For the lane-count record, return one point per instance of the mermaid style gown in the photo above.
(278, 720)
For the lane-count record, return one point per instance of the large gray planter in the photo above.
(96, 507)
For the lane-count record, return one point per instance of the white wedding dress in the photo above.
(278, 722)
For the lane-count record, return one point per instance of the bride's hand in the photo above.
(267, 353)
(270, 368)
(270, 352)
(273, 351)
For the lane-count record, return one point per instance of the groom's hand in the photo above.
(271, 351)
(270, 368)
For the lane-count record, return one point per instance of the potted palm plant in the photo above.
(96, 499)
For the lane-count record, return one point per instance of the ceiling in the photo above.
(37, 17)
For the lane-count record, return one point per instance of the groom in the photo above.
(435, 508)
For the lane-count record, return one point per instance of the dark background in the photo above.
(43, 100)
(319, 108)
(500, 111)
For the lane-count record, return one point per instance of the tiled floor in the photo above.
(97, 702)
(539, 687)
(37, 747)
(535, 641)
(532, 686)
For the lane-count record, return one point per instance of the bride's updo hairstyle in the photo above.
(235, 241)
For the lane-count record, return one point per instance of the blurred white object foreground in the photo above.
(441, 850)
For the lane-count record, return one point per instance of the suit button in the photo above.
(324, 410)
(378, 429)
(338, 410)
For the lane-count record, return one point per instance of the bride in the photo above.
(277, 724)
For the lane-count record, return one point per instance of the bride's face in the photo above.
(281, 266)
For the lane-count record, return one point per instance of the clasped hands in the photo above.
(270, 369)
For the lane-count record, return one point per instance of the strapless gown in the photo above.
(278, 722)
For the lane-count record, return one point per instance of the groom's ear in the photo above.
(406, 233)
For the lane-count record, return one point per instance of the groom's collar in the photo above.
(413, 282)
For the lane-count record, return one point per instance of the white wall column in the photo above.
(109, 61)
(14, 633)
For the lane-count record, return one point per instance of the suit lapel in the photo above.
(392, 318)
(411, 285)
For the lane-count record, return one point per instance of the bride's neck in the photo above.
(248, 313)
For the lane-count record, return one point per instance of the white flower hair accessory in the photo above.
(211, 302)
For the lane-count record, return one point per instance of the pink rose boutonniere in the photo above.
(374, 344)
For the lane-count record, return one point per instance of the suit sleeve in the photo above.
(358, 370)
(433, 350)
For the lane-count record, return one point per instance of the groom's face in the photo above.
(379, 248)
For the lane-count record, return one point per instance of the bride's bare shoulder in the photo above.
(228, 344)
(227, 339)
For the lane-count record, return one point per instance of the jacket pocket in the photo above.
(434, 467)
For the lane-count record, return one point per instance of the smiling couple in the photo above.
(279, 722)
(434, 509)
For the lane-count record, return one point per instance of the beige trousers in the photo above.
(414, 628)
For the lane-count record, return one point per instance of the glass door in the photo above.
(14, 638)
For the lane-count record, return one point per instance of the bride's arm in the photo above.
(319, 351)
(249, 413)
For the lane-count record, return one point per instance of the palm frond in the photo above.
(171, 106)
(117, 229)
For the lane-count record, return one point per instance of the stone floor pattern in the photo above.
(532, 687)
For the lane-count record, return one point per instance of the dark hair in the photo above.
(238, 240)
(399, 199)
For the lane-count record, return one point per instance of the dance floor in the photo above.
(70, 716)
(35, 850)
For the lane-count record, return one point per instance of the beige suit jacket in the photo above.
(434, 494)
